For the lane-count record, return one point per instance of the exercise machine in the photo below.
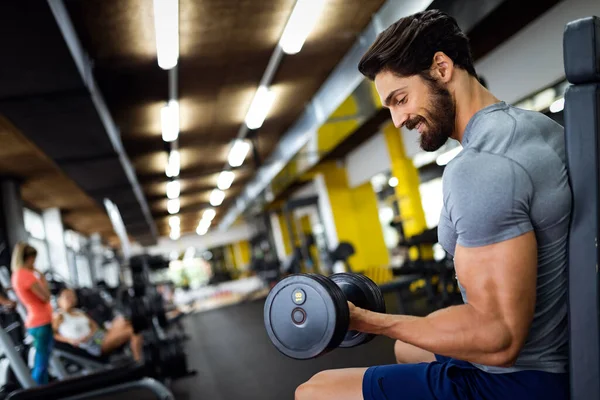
(94, 386)
(581, 47)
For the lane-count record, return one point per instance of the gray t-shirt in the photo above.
(511, 178)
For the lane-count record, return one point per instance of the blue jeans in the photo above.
(43, 343)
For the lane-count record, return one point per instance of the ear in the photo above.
(442, 67)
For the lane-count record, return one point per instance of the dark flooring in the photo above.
(235, 359)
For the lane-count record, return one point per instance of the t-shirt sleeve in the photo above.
(488, 199)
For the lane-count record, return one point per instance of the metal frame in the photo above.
(16, 362)
(88, 365)
(161, 392)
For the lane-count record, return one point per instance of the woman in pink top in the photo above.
(32, 290)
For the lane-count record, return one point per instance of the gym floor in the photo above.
(235, 359)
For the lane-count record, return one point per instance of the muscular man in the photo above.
(505, 219)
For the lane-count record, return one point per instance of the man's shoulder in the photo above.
(482, 175)
(472, 161)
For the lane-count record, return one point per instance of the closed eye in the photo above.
(402, 101)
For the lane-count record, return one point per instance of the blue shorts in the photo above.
(450, 379)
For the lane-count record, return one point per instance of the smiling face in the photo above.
(419, 102)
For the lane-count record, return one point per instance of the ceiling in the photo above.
(76, 154)
(44, 185)
(225, 46)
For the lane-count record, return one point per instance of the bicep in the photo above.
(41, 292)
(500, 281)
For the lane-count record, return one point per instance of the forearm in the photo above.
(42, 280)
(458, 332)
(5, 302)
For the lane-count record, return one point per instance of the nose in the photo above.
(399, 118)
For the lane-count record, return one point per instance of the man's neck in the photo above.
(470, 97)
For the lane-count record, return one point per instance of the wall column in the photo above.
(12, 224)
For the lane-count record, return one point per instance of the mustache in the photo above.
(412, 123)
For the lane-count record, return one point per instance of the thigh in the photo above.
(423, 381)
(119, 322)
(342, 384)
(115, 337)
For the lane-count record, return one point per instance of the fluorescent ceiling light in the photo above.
(173, 164)
(301, 23)
(173, 206)
(225, 180)
(558, 105)
(209, 214)
(216, 197)
(174, 221)
(393, 182)
(175, 234)
(173, 189)
(169, 121)
(166, 26)
(205, 223)
(448, 156)
(238, 152)
(261, 104)
(203, 227)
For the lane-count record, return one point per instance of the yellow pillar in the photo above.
(241, 251)
(407, 190)
(231, 251)
(229, 259)
(285, 234)
(356, 218)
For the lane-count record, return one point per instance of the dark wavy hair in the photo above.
(407, 47)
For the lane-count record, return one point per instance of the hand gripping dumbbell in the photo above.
(307, 315)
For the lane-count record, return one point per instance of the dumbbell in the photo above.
(307, 315)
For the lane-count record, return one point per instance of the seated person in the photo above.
(76, 328)
(168, 295)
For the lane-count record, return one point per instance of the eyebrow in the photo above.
(390, 96)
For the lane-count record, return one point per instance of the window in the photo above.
(73, 240)
(84, 275)
(42, 262)
(34, 224)
(432, 199)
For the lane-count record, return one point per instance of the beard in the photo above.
(439, 124)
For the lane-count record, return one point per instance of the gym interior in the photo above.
(203, 168)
